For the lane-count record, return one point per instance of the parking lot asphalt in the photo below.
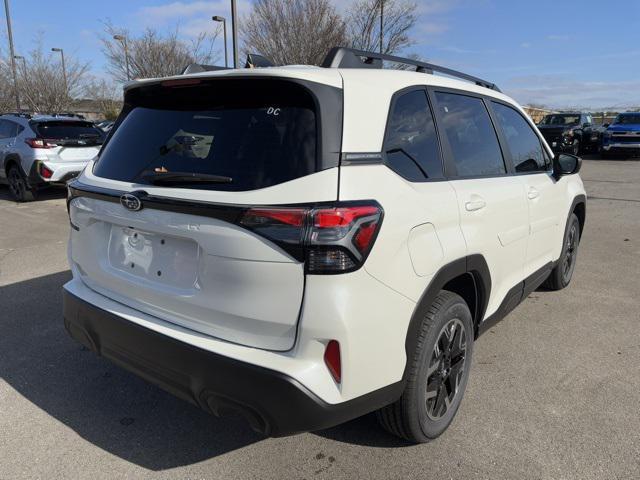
(554, 391)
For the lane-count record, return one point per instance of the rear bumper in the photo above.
(62, 173)
(273, 403)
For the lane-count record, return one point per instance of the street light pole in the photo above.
(64, 71)
(123, 39)
(218, 18)
(234, 32)
(12, 54)
(381, 23)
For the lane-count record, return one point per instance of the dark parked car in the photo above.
(572, 132)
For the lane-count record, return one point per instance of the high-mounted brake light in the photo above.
(40, 143)
(332, 239)
(181, 82)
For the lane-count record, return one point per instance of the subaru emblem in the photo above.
(130, 202)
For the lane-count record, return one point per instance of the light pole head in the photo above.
(54, 49)
(218, 18)
(18, 57)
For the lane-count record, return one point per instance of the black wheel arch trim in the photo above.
(477, 267)
(578, 199)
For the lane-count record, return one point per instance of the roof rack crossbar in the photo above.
(343, 57)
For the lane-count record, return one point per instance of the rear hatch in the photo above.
(161, 223)
(69, 140)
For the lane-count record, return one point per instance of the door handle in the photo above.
(474, 205)
(532, 193)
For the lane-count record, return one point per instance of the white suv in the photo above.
(309, 244)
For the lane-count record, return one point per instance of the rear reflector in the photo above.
(332, 360)
(335, 239)
(45, 172)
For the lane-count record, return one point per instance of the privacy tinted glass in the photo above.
(523, 143)
(84, 133)
(473, 140)
(411, 144)
(258, 136)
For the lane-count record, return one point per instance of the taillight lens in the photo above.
(40, 143)
(335, 239)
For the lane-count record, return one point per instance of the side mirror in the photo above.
(605, 125)
(565, 164)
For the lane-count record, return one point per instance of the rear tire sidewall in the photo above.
(573, 223)
(575, 148)
(429, 428)
(18, 188)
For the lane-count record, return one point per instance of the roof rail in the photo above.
(343, 57)
(18, 114)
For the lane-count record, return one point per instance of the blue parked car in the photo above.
(622, 137)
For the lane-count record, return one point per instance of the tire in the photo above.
(575, 147)
(438, 372)
(18, 188)
(562, 273)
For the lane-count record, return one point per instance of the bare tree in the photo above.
(107, 94)
(363, 20)
(7, 95)
(293, 31)
(41, 81)
(153, 54)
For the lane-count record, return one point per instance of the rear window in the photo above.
(627, 119)
(255, 133)
(78, 133)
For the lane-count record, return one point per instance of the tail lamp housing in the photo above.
(330, 239)
(40, 143)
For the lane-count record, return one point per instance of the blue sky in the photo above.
(561, 53)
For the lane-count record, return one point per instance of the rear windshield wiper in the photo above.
(184, 178)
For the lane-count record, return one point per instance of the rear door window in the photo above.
(8, 129)
(523, 143)
(257, 136)
(411, 143)
(70, 133)
(472, 138)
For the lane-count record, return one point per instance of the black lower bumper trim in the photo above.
(273, 403)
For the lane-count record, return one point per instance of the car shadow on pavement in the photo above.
(107, 406)
(45, 194)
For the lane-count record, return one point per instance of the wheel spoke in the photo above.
(432, 392)
(433, 367)
(440, 405)
(446, 368)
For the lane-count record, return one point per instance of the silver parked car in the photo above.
(42, 150)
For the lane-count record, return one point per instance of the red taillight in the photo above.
(45, 172)
(40, 143)
(339, 217)
(332, 360)
(333, 239)
(289, 216)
